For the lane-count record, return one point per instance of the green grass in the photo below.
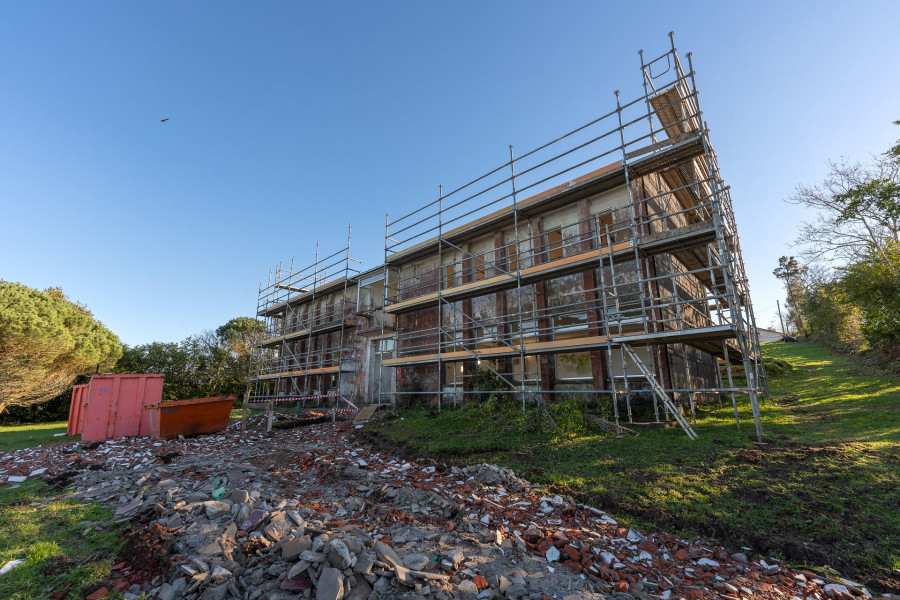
(51, 537)
(824, 492)
(237, 413)
(14, 437)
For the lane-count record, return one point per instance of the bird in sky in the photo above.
(163, 120)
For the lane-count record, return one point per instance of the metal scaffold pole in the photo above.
(384, 304)
(342, 313)
(519, 253)
(440, 305)
(609, 251)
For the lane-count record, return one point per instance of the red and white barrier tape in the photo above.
(298, 398)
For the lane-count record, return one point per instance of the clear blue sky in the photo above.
(287, 120)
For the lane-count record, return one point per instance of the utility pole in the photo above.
(783, 331)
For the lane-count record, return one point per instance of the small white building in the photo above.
(769, 335)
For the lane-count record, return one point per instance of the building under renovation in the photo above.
(604, 262)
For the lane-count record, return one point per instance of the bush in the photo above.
(830, 317)
(485, 381)
(569, 417)
(411, 390)
(873, 284)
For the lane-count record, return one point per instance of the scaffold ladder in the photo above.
(659, 391)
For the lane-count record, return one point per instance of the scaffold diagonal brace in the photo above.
(660, 392)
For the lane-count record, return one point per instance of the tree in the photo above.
(46, 341)
(873, 284)
(857, 210)
(855, 238)
(210, 363)
(243, 331)
(241, 335)
(170, 359)
(895, 149)
(791, 273)
(829, 314)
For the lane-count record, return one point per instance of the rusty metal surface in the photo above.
(194, 416)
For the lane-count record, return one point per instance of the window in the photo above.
(565, 302)
(605, 222)
(554, 244)
(451, 340)
(531, 368)
(450, 275)
(573, 365)
(480, 267)
(512, 259)
(453, 374)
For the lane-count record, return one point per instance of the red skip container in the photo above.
(76, 409)
(113, 404)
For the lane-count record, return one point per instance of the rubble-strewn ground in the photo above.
(823, 491)
(310, 512)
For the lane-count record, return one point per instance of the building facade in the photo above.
(605, 263)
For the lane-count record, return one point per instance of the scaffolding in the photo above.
(651, 262)
(306, 356)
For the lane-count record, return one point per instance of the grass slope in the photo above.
(58, 540)
(14, 437)
(825, 492)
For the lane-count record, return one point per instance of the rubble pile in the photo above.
(311, 513)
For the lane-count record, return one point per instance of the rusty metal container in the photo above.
(76, 409)
(115, 405)
(189, 417)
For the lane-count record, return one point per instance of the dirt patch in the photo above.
(62, 480)
(787, 463)
(750, 455)
(639, 475)
(786, 400)
(314, 418)
(793, 453)
(404, 450)
(58, 564)
(150, 547)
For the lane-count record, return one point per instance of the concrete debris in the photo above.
(330, 585)
(339, 555)
(310, 512)
(492, 475)
(10, 565)
(294, 547)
